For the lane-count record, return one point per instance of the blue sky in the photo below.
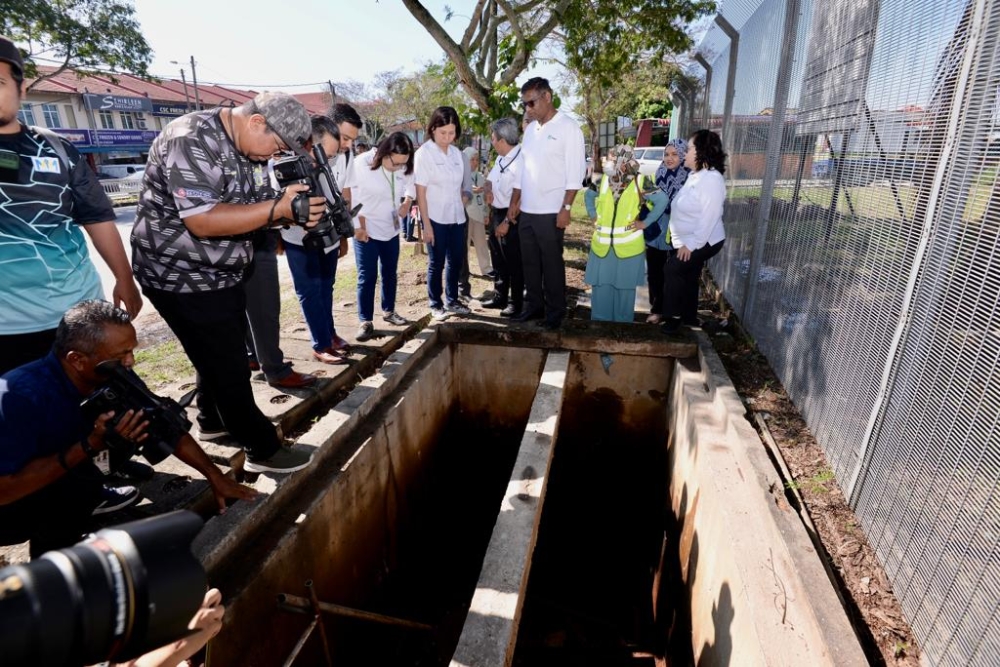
(264, 43)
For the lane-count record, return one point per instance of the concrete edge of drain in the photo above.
(223, 534)
(744, 503)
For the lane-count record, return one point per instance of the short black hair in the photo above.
(341, 112)
(82, 327)
(708, 151)
(444, 116)
(537, 84)
(322, 126)
(396, 143)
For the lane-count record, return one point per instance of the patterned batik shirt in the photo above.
(193, 165)
(45, 264)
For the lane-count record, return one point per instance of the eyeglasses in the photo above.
(529, 104)
(398, 164)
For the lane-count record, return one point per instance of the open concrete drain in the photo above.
(486, 501)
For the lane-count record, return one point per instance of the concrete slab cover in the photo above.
(490, 632)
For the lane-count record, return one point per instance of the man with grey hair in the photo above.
(505, 242)
(204, 194)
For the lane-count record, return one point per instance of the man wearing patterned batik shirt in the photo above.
(204, 194)
(48, 194)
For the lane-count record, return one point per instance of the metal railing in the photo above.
(122, 190)
(863, 255)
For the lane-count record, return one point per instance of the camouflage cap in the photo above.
(286, 117)
(9, 53)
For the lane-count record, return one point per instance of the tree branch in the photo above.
(477, 91)
(473, 22)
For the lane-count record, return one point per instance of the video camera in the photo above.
(316, 173)
(115, 596)
(125, 391)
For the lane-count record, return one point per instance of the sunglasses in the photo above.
(528, 104)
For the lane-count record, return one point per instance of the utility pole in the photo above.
(333, 93)
(187, 98)
(194, 79)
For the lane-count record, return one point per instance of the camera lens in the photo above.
(115, 596)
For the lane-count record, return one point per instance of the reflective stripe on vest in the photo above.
(615, 227)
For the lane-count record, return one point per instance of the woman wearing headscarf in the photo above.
(670, 176)
(696, 229)
(617, 259)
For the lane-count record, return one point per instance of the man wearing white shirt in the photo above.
(553, 170)
(504, 240)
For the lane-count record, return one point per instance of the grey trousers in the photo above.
(264, 309)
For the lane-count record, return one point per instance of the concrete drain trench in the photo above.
(495, 497)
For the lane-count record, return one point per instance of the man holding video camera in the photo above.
(204, 194)
(50, 450)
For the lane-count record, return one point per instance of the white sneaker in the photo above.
(440, 314)
(394, 319)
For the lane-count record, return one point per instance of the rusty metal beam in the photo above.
(301, 605)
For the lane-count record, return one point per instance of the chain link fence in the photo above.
(863, 255)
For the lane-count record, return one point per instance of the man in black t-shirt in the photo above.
(48, 194)
(204, 194)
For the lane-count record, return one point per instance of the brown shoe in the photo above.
(293, 380)
(328, 356)
(338, 344)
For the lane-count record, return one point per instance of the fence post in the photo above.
(774, 138)
(734, 54)
(705, 106)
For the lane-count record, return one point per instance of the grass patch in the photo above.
(162, 364)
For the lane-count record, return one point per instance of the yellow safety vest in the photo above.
(615, 228)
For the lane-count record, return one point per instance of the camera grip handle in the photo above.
(300, 208)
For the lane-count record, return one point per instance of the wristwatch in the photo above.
(567, 207)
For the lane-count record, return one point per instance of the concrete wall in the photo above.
(757, 589)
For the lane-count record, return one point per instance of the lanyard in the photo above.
(502, 167)
(392, 184)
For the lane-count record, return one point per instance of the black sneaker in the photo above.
(116, 498)
(283, 460)
(211, 433)
(130, 472)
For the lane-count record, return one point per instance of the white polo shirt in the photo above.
(554, 162)
(442, 174)
(378, 192)
(504, 175)
(295, 234)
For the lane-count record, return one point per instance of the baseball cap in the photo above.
(9, 53)
(286, 117)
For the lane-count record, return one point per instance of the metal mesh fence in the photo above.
(863, 255)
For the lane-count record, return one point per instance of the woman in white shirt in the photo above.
(381, 180)
(438, 173)
(696, 229)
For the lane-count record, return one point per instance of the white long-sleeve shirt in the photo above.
(696, 211)
(554, 162)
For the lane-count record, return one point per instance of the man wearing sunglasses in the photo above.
(553, 168)
(47, 194)
(204, 195)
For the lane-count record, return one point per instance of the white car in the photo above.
(650, 159)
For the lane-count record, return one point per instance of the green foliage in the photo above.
(604, 38)
(82, 34)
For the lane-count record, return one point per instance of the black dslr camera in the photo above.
(118, 594)
(336, 221)
(125, 391)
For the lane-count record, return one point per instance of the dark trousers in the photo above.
(18, 349)
(211, 327)
(313, 274)
(367, 257)
(263, 292)
(681, 281)
(544, 271)
(655, 261)
(56, 516)
(505, 255)
(445, 258)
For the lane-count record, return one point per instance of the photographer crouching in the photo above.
(52, 444)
